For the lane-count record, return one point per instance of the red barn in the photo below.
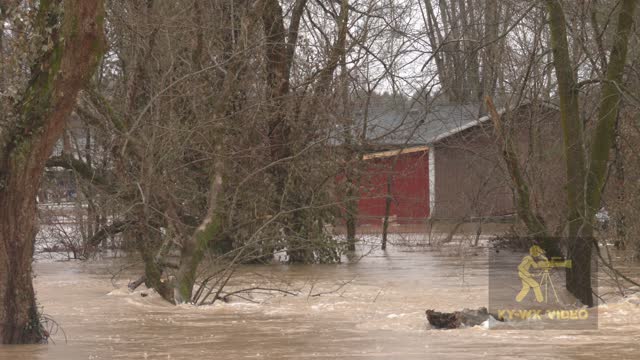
(407, 172)
(448, 166)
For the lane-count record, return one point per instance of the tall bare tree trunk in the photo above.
(490, 63)
(604, 135)
(280, 50)
(574, 154)
(585, 187)
(40, 117)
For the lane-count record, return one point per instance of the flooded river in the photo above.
(373, 309)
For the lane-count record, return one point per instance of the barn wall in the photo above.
(471, 180)
(409, 190)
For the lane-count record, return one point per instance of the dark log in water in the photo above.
(456, 319)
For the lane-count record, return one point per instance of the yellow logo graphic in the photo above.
(529, 281)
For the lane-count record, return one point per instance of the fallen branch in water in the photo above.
(345, 283)
(203, 287)
(257, 288)
(51, 328)
(133, 285)
(226, 296)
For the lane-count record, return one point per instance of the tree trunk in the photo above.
(280, 50)
(353, 157)
(490, 63)
(351, 217)
(604, 134)
(19, 314)
(57, 77)
(574, 151)
(387, 212)
(194, 247)
(152, 269)
(579, 275)
(585, 185)
(572, 126)
(191, 255)
(619, 217)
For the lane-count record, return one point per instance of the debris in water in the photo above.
(457, 319)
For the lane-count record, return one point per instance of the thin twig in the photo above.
(345, 283)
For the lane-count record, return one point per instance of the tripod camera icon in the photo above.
(528, 280)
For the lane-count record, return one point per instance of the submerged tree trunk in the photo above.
(19, 314)
(351, 216)
(40, 116)
(578, 280)
(585, 184)
(574, 151)
(194, 247)
(152, 269)
(387, 211)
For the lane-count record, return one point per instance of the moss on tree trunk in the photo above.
(69, 56)
(191, 257)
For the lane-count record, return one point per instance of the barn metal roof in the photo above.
(397, 126)
(391, 124)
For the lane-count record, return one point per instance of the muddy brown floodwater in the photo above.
(377, 314)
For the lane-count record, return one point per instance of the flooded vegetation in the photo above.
(371, 309)
(319, 179)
